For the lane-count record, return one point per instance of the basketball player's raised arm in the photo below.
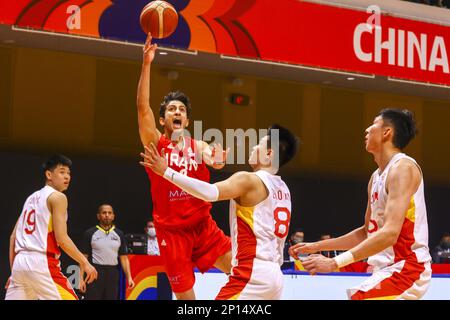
(57, 204)
(232, 188)
(146, 118)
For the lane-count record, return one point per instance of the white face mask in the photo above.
(151, 232)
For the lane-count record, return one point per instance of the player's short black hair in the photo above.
(403, 123)
(288, 144)
(55, 160)
(175, 95)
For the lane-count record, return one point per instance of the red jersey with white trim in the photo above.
(35, 226)
(260, 231)
(173, 207)
(412, 243)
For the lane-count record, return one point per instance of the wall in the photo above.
(86, 105)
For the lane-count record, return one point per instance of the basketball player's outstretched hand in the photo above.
(149, 49)
(304, 248)
(91, 273)
(153, 160)
(316, 263)
(219, 156)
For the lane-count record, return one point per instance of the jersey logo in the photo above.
(184, 163)
(373, 226)
(374, 196)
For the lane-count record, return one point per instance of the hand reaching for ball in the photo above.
(149, 50)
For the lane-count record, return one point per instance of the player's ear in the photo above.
(387, 132)
(161, 121)
(48, 174)
(187, 123)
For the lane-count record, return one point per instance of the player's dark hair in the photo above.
(403, 123)
(175, 95)
(288, 144)
(55, 160)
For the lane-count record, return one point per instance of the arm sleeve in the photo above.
(197, 188)
(123, 243)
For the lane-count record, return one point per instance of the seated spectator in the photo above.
(441, 254)
(152, 241)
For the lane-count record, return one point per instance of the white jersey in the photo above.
(35, 226)
(260, 232)
(412, 243)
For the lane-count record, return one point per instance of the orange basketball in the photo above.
(159, 18)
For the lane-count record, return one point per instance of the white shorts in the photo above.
(253, 280)
(35, 276)
(403, 280)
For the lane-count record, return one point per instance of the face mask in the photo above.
(445, 244)
(297, 240)
(151, 232)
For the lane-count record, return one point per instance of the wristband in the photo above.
(344, 259)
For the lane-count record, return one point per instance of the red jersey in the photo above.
(173, 207)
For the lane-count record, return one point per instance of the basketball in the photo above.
(159, 18)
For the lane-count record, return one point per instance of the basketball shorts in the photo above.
(253, 280)
(195, 246)
(38, 277)
(403, 280)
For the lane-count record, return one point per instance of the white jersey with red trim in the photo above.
(260, 231)
(35, 226)
(412, 243)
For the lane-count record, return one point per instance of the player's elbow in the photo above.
(61, 240)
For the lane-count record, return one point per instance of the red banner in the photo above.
(290, 31)
(338, 38)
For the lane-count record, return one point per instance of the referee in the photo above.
(104, 245)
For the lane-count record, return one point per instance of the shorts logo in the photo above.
(163, 243)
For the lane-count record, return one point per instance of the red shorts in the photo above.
(197, 246)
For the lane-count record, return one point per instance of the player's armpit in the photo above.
(402, 183)
(236, 185)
